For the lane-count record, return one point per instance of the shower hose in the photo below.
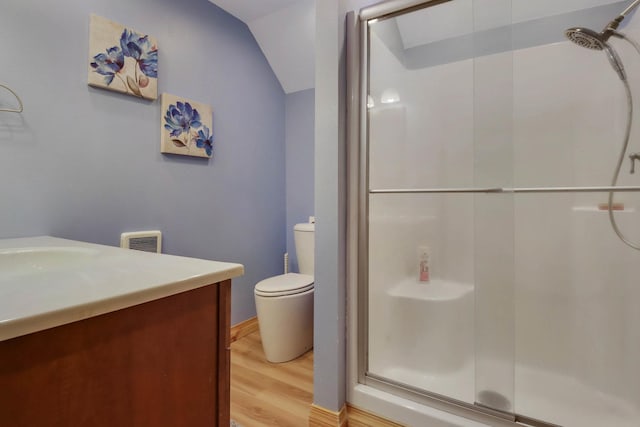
(625, 146)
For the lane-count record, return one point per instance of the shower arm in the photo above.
(613, 25)
(630, 8)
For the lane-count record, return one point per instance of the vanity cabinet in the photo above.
(160, 363)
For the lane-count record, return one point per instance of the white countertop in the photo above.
(47, 281)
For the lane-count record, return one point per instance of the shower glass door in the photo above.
(440, 238)
(492, 279)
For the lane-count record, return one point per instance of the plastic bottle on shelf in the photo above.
(423, 262)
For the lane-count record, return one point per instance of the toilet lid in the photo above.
(285, 284)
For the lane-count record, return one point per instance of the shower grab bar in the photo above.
(501, 190)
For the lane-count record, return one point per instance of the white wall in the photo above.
(575, 281)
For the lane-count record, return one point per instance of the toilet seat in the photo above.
(284, 284)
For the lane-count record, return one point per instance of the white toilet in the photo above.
(285, 304)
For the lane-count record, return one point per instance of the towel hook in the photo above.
(12, 110)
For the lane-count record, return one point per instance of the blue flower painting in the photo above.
(180, 118)
(186, 127)
(205, 140)
(122, 60)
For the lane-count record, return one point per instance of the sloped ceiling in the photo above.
(248, 10)
(285, 31)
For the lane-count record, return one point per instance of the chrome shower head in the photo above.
(590, 39)
(585, 37)
(598, 40)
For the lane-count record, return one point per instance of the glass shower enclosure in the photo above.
(489, 278)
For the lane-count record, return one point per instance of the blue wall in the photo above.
(330, 350)
(300, 110)
(329, 315)
(84, 163)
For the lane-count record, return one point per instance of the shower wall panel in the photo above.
(574, 277)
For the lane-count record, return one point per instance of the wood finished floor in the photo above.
(266, 394)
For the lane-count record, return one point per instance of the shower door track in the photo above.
(445, 403)
(501, 190)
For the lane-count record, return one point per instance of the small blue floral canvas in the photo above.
(121, 59)
(187, 127)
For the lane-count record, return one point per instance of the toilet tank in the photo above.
(305, 244)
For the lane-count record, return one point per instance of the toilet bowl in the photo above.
(285, 315)
(284, 304)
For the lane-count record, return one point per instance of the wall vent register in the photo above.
(147, 241)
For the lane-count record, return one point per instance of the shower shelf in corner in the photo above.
(434, 290)
(595, 209)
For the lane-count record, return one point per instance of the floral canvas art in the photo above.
(187, 127)
(122, 60)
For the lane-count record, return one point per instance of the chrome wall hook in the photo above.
(633, 157)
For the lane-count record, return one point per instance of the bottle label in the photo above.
(424, 271)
